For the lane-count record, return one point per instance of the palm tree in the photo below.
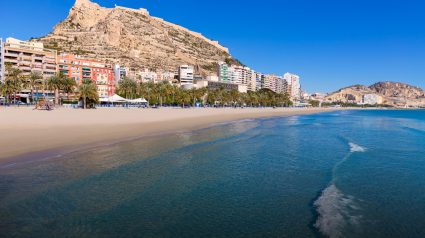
(34, 80)
(174, 90)
(7, 88)
(235, 96)
(55, 84)
(161, 90)
(195, 93)
(184, 96)
(148, 93)
(253, 99)
(68, 86)
(14, 74)
(87, 91)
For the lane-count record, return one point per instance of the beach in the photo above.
(33, 134)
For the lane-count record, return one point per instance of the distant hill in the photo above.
(133, 38)
(387, 92)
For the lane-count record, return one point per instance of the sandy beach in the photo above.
(33, 134)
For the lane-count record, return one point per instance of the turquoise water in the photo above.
(333, 174)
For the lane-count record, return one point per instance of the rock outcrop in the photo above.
(355, 94)
(132, 38)
(387, 93)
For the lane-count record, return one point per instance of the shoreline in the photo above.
(32, 135)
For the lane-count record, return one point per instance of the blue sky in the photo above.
(329, 44)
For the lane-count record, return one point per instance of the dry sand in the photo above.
(27, 134)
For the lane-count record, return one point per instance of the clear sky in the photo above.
(329, 44)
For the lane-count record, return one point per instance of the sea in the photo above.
(348, 173)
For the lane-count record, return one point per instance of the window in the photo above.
(63, 61)
(78, 78)
(97, 70)
(78, 68)
(72, 67)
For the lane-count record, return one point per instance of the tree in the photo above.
(234, 96)
(7, 88)
(195, 93)
(55, 84)
(88, 91)
(14, 76)
(184, 96)
(34, 80)
(314, 103)
(68, 85)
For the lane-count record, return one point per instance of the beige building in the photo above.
(228, 86)
(30, 56)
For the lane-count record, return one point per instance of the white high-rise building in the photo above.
(235, 74)
(294, 87)
(185, 75)
(222, 72)
(117, 72)
(251, 80)
(258, 77)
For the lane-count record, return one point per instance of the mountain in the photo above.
(355, 93)
(392, 89)
(133, 38)
(387, 92)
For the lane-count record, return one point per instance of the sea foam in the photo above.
(355, 147)
(335, 212)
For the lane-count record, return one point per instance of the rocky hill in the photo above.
(132, 38)
(387, 92)
(355, 93)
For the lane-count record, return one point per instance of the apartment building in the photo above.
(167, 76)
(104, 77)
(222, 72)
(250, 80)
(1, 61)
(28, 57)
(75, 66)
(258, 81)
(185, 74)
(228, 86)
(147, 76)
(294, 87)
(265, 81)
(234, 75)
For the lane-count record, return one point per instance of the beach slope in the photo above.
(25, 131)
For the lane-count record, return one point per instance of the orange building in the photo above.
(104, 77)
(75, 67)
(78, 68)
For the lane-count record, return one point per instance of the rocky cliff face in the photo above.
(132, 38)
(400, 93)
(392, 89)
(355, 93)
(387, 92)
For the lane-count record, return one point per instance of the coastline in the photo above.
(29, 134)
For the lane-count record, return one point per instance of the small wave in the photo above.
(335, 212)
(355, 147)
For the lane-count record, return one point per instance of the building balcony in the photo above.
(86, 69)
(50, 68)
(24, 67)
(11, 60)
(11, 54)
